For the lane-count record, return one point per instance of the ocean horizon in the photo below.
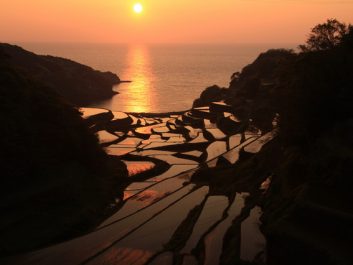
(164, 77)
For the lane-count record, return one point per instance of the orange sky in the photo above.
(167, 21)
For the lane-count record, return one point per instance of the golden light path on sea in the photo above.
(137, 95)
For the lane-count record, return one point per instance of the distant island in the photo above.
(279, 138)
(79, 84)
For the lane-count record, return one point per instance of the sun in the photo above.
(138, 8)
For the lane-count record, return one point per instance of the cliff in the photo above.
(78, 83)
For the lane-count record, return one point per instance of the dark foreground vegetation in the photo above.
(78, 83)
(308, 211)
(56, 181)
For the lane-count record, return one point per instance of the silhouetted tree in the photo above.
(325, 36)
(347, 39)
(235, 76)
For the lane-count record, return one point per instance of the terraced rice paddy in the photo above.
(168, 217)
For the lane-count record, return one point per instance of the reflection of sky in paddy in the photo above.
(146, 197)
(149, 239)
(136, 167)
(126, 256)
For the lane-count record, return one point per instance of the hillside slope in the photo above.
(78, 83)
(55, 179)
(308, 212)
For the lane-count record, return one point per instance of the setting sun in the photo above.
(138, 8)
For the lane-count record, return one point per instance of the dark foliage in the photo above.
(325, 36)
(308, 214)
(252, 92)
(55, 179)
(316, 93)
(211, 94)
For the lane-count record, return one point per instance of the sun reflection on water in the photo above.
(137, 95)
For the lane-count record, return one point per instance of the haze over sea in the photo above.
(164, 77)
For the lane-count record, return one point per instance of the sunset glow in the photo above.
(113, 21)
(138, 8)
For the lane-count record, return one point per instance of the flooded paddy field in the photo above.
(171, 211)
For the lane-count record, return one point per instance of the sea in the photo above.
(164, 77)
